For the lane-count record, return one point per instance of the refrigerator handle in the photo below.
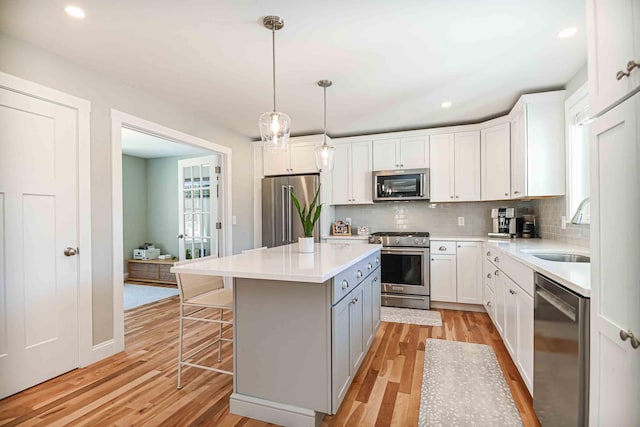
(290, 217)
(284, 227)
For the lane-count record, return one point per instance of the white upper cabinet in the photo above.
(613, 41)
(299, 157)
(455, 167)
(537, 145)
(467, 166)
(351, 179)
(401, 153)
(495, 159)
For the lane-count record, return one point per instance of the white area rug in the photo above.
(463, 385)
(411, 316)
(137, 295)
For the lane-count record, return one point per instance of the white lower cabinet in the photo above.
(340, 361)
(512, 311)
(456, 269)
(356, 328)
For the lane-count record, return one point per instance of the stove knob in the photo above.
(416, 241)
(379, 241)
(424, 241)
(397, 241)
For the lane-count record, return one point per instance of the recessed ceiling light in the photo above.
(567, 32)
(446, 104)
(74, 11)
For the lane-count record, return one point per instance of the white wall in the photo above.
(32, 63)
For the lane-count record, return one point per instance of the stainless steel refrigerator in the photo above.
(280, 221)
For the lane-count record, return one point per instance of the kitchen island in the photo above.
(303, 324)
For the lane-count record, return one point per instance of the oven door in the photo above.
(405, 271)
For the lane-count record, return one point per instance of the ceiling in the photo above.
(392, 62)
(139, 144)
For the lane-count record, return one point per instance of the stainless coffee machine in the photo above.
(504, 223)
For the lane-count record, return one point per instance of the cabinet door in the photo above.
(615, 364)
(376, 301)
(489, 302)
(367, 307)
(612, 41)
(341, 179)
(524, 346)
(361, 177)
(500, 301)
(495, 144)
(469, 272)
(356, 328)
(276, 162)
(467, 166)
(303, 158)
(442, 173)
(518, 154)
(443, 278)
(340, 343)
(414, 152)
(510, 316)
(386, 154)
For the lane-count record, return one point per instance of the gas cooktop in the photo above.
(401, 238)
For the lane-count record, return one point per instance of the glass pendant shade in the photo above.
(324, 157)
(274, 130)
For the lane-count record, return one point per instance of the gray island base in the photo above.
(303, 324)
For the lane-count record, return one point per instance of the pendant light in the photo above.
(274, 126)
(325, 152)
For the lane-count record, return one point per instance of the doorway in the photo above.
(149, 158)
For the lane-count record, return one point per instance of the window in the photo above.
(577, 146)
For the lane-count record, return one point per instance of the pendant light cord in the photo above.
(273, 44)
(325, 115)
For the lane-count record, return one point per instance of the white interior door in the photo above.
(38, 220)
(199, 195)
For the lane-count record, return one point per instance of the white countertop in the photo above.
(459, 238)
(352, 237)
(575, 276)
(283, 263)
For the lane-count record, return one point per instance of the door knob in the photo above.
(70, 251)
(180, 236)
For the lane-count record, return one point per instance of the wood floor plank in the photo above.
(138, 386)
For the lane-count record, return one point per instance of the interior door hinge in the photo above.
(218, 226)
(218, 169)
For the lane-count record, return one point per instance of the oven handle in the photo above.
(402, 296)
(388, 251)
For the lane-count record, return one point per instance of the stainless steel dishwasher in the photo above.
(561, 358)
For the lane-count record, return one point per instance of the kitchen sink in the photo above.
(560, 257)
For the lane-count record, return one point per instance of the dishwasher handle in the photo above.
(556, 302)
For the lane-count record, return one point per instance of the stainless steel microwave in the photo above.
(404, 184)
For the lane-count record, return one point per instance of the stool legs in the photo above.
(180, 348)
(220, 336)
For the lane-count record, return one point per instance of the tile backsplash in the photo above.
(548, 223)
(437, 218)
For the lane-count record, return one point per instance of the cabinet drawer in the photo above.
(518, 272)
(440, 247)
(347, 280)
(143, 271)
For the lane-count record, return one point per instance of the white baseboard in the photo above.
(101, 351)
(458, 306)
(273, 412)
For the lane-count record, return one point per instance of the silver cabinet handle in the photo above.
(516, 192)
(496, 259)
(377, 260)
(506, 194)
(452, 197)
(495, 273)
(369, 266)
(625, 335)
(442, 248)
(457, 197)
(180, 236)
(359, 274)
(630, 66)
(375, 279)
(488, 253)
(512, 292)
(70, 251)
(488, 275)
(488, 303)
(345, 284)
(355, 300)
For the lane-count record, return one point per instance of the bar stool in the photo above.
(202, 292)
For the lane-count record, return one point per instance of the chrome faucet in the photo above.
(583, 214)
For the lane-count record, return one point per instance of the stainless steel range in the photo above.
(405, 268)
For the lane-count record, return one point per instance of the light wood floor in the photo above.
(138, 386)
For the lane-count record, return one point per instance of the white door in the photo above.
(385, 155)
(615, 271)
(496, 162)
(442, 173)
(443, 278)
(38, 220)
(414, 152)
(467, 166)
(361, 177)
(198, 203)
(469, 270)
